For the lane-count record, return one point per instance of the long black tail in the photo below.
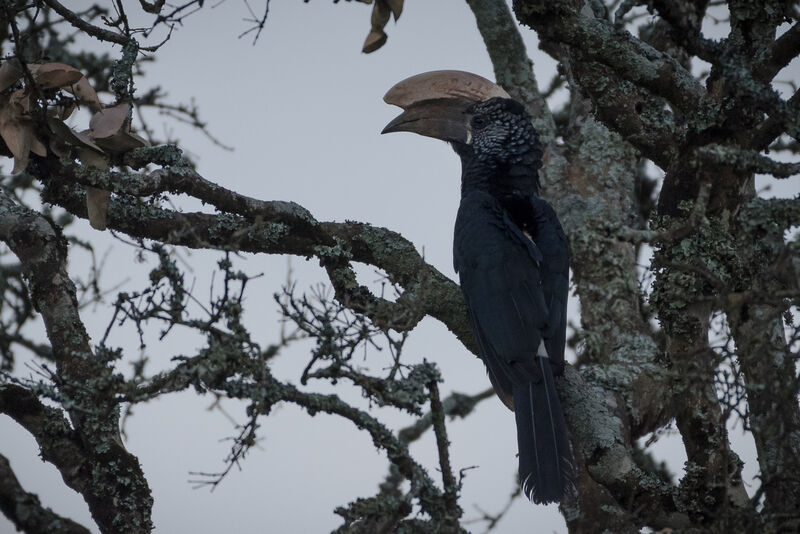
(545, 458)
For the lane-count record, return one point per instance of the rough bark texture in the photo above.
(25, 510)
(720, 253)
(629, 81)
(89, 455)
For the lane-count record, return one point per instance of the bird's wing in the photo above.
(554, 271)
(500, 279)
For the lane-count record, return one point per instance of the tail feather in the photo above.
(545, 458)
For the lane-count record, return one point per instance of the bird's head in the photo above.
(472, 113)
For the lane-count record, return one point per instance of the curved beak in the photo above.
(441, 118)
(435, 103)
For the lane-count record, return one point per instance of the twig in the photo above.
(259, 22)
(91, 29)
(25, 510)
(492, 520)
(443, 445)
(747, 160)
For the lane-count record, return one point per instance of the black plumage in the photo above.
(512, 258)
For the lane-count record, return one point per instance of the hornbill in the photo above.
(511, 256)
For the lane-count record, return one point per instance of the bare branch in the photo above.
(91, 29)
(273, 227)
(84, 378)
(512, 67)
(771, 127)
(258, 22)
(780, 53)
(748, 161)
(26, 511)
(685, 20)
(457, 404)
(450, 487)
(600, 446)
(630, 58)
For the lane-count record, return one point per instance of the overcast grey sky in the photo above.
(303, 109)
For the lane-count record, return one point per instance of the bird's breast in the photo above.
(481, 237)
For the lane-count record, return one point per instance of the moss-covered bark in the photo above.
(633, 100)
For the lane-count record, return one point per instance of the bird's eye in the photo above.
(479, 122)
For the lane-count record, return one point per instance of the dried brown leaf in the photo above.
(121, 142)
(66, 134)
(58, 147)
(92, 159)
(374, 41)
(53, 75)
(64, 110)
(142, 141)
(380, 15)
(97, 201)
(21, 100)
(9, 74)
(37, 147)
(20, 164)
(86, 140)
(17, 132)
(18, 138)
(109, 121)
(85, 93)
(397, 8)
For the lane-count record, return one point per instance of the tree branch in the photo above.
(57, 441)
(779, 54)
(443, 445)
(457, 404)
(26, 511)
(513, 68)
(631, 59)
(685, 20)
(771, 127)
(274, 228)
(118, 493)
(82, 25)
(747, 161)
(600, 443)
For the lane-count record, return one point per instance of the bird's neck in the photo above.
(476, 175)
(506, 182)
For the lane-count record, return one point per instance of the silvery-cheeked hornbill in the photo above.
(511, 255)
